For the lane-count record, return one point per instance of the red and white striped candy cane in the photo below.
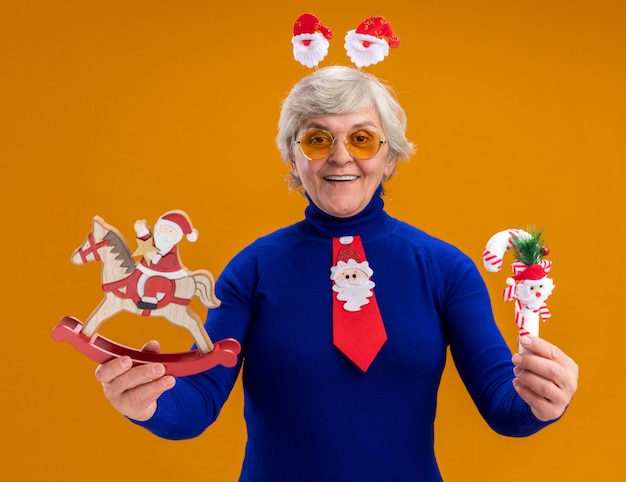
(498, 245)
(527, 319)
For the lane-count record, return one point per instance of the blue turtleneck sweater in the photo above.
(311, 414)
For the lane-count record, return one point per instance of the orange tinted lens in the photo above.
(363, 143)
(316, 144)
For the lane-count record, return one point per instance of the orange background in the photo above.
(127, 109)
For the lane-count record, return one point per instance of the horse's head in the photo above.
(105, 243)
(88, 251)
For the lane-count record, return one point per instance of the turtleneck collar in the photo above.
(369, 220)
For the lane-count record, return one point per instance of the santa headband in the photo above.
(366, 45)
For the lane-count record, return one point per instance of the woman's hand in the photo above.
(546, 378)
(133, 391)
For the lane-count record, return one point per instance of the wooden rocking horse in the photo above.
(157, 285)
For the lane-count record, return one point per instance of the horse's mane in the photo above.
(120, 249)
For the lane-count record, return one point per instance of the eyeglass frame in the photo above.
(381, 142)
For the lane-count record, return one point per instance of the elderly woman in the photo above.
(345, 318)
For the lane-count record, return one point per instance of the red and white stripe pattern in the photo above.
(519, 317)
(508, 293)
(544, 312)
(497, 246)
(522, 313)
(518, 267)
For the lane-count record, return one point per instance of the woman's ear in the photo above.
(390, 167)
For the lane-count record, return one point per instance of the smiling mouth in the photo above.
(341, 178)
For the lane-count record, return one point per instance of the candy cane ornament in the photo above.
(498, 245)
(529, 286)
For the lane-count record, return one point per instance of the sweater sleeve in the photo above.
(194, 403)
(479, 351)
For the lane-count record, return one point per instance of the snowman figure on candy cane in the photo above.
(530, 286)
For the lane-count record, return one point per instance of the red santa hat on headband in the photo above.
(370, 42)
(310, 40)
(181, 223)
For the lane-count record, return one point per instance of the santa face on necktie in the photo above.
(352, 284)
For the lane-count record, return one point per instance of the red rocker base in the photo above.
(179, 364)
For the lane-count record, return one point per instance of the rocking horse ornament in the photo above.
(156, 285)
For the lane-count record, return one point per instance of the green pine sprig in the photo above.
(529, 249)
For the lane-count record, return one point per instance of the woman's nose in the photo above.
(340, 154)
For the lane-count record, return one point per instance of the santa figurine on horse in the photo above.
(160, 265)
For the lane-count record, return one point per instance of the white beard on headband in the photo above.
(310, 48)
(365, 50)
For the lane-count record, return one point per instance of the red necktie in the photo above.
(358, 329)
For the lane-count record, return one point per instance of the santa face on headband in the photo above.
(310, 40)
(370, 42)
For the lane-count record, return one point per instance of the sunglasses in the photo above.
(362, 144)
